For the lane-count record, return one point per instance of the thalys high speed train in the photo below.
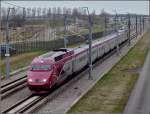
(52, 68)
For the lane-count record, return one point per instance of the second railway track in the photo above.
(13, 86)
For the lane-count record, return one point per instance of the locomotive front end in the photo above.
(39, 75)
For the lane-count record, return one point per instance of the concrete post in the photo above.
(7, 46)
(143, 24)
(65, 30)
(136, 27)
(90, 42)
(90, 47)
(129, 25)
(116, 30)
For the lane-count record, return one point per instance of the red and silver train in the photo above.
(52, 68)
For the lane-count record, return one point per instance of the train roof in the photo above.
(64, 49)
(56, 53)
(53, 55)
(79, 49)
(100, 41)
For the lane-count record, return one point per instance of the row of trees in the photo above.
(19, 15)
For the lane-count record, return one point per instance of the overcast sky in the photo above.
(139, 7)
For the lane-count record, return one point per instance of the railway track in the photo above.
(24, 104)
(13, 86)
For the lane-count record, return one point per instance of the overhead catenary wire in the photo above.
(13, 4)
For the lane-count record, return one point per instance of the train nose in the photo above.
(44, 80)
(39, 78)
(39, 81)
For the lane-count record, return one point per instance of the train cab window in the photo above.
(40, 67)
(59, 57)
(61, 49)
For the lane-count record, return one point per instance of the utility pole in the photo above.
(140, 24)
(7, 55)
(143, 23)
(90, 42)
(65, 30)
(105, 19)
(129, 25)
(116, 30)
(90, 47)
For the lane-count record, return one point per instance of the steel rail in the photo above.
(13, 86)
(13, 81)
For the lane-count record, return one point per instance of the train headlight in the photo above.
(30, 80)
(44, 80)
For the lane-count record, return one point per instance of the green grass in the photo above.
(95, 28)
(111, 93)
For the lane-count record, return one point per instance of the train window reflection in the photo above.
(42, 67)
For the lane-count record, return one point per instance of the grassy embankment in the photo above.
(111, 93)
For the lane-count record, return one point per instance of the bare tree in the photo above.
(39, 12)
(29, 12)
(49, 13)
(44, 12)
(33, 12)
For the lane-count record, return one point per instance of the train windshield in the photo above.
(41, 67)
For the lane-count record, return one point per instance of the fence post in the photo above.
(140, 25)
(143, 24)
(136, 27)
